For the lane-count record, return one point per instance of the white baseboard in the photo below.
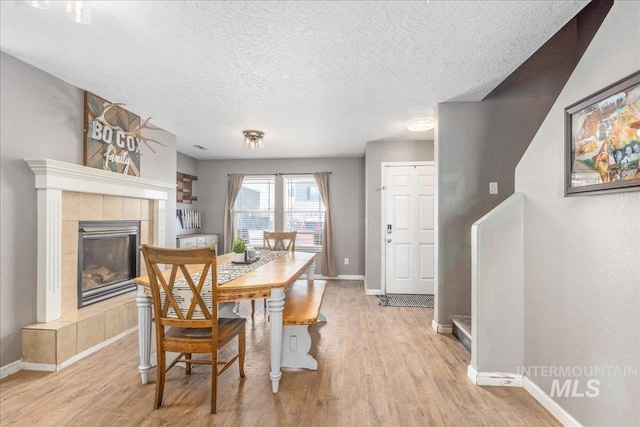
(10, 369)
(441, 329)
(373, 291)
(545, 400)
(339, 277)
(27, 366)
(496, 379)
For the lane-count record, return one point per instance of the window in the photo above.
(303, 210)
(254, 211)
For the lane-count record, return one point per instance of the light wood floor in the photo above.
(378, 366)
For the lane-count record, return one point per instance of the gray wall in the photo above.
(41, 117)
(346, 185)
(582, 270)
(482, 142)
(377, 152)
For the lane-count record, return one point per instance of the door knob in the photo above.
(388, 240)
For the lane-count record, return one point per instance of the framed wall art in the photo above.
(602, 140)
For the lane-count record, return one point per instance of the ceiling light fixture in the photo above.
(421, 125)
(78, 10)
(253, 138)
(38, 4)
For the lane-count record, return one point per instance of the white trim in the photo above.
(383, 214)
(373, 292)
(550, 405)
(496, 379)
(441, 329)
(339, 277)
(53, 174)
(472, 373)
(28, 366)
(10, 369)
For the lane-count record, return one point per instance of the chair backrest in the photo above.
(279, 241)
(185, 293)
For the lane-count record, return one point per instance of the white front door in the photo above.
(409, 229)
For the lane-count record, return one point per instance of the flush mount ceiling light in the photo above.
(421, 125)
(78, 10)
(253, 138)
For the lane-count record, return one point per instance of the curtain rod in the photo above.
(251, 174)
(298, 173)
(277, 173)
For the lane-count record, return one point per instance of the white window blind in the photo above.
(254, 210)
(303, 210)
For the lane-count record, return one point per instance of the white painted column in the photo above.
(159, 223)
(144, 333)
(276, 306)
(49, 275)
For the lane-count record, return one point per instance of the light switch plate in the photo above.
(493, 188)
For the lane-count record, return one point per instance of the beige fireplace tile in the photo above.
(131, 209)
(82, 314)
(39, 346)
(146, 209)
(116, 321)
(90, 332)
(112, 208)
(69, 206)
(132, 316)
(90, 207)
(69, 283)
(66, 343)
(70, 237)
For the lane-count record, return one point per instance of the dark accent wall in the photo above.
(482, 142)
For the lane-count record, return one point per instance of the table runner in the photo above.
(226, 273)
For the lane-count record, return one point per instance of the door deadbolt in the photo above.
(388, 240)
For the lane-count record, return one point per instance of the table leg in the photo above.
(276, 306)
(311, 270)
(144, 333)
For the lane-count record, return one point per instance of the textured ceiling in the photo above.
(319, 78)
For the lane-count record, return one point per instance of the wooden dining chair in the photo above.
(186, 313)
(279, 241)
(276, 241)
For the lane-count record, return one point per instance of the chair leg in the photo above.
(241, 351)
(253, 307)
(160, 377)
(214, 379)
(187, 370)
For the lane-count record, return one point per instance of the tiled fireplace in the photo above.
(69, 195)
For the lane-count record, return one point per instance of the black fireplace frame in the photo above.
(101, 229)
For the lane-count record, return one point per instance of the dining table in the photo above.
(269, 279)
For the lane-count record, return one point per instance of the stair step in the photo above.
(462, 330)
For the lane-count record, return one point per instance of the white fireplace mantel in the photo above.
(52, 178)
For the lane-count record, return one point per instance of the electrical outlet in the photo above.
(346, 261)
(493, 188)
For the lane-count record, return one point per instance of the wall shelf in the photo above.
(184, 189)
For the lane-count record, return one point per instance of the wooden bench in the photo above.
(301, 309)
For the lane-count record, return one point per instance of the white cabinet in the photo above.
(197, 240)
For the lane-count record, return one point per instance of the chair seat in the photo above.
(226, 328)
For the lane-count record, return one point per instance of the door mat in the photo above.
(425, 301)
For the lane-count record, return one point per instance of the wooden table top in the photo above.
(281, 272)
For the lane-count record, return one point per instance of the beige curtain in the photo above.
(328, 242)
(235, 183)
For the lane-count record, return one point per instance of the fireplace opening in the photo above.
(108, 259)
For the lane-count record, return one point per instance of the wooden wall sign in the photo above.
(112, 136)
